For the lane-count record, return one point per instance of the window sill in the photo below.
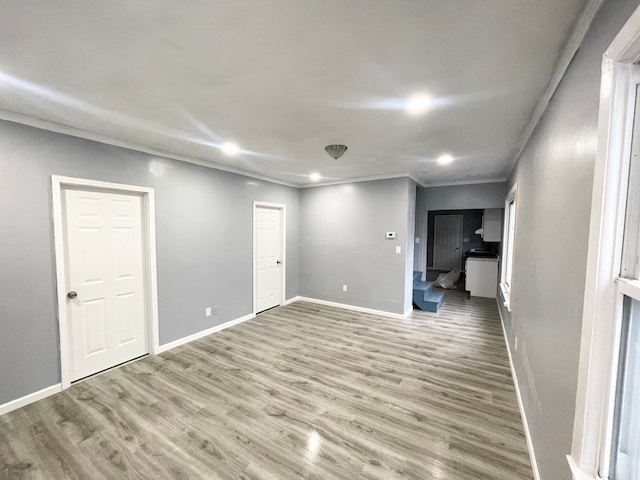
(506, 295)
(577, 473)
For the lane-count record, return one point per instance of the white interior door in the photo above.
(446, 247)
(105, 278)
(268, 257)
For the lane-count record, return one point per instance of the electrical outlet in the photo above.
(215, 310)
(417, 239)
(398, 249)
(207, 312)
(344, 288)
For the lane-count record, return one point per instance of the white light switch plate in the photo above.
(207, 312)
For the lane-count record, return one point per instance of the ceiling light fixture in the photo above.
(230, 149)
(335, 151)
(445, 159)
(314, 177)
(418, 105)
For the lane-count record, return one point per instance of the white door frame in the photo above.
(283, 250)
(149, 254)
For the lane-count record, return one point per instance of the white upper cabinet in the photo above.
(492, 225)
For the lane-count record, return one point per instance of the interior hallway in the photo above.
(301, 391)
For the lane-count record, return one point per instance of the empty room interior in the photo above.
(337, 239)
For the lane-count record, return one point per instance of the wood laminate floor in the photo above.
(300, 392)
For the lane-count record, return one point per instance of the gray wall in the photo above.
(554, 176)
(456, 197)
(410, 248)
(342, 241)
(204, 243)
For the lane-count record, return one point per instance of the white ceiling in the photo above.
(284, 78)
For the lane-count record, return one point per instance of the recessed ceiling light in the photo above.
(230, 149)
(445, 159)
(418, 104)
(314, 177)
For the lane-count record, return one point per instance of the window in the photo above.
(606, 435)
(510, 208)
(625, 448)
(625, 427)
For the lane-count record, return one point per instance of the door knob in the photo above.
(72, 294)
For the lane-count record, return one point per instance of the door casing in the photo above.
(283, 251)
(149, 259)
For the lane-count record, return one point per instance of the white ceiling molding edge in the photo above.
(470, 182)
(573, 44)
(370, 178)
(107, 140)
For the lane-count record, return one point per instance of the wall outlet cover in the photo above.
(207, 312)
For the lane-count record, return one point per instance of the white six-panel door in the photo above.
(268, 257)
(104, 267)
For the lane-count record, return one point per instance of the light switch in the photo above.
(390, 235)
(398, 249)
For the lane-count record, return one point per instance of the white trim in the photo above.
(117, 142)
(291, 300)
(629, 287)
(151, 275)
(600, 340)
(355, 308)
(283, 250)
(204, 333)
(577, 473)
(371, 178)
(465, 182)
(523, 414)
(32, 397)
(571, 47)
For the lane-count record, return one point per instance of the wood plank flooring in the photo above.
(301, 392)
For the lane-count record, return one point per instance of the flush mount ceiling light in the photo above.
(445, 159)
(418, 105)
(230, 149)
(335, 151)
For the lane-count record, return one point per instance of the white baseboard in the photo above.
(32, 397)
(291, 300)
(204, 333)
(523, 414)
(352, 307)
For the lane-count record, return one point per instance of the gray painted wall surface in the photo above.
(204, 243)
(463, 197)
(342, 241)
(456, 197)
(410, 248)
(555, 176)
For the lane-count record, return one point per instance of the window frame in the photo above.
(604, 287)
(508, 254)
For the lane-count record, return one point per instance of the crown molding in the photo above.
(117, 142)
